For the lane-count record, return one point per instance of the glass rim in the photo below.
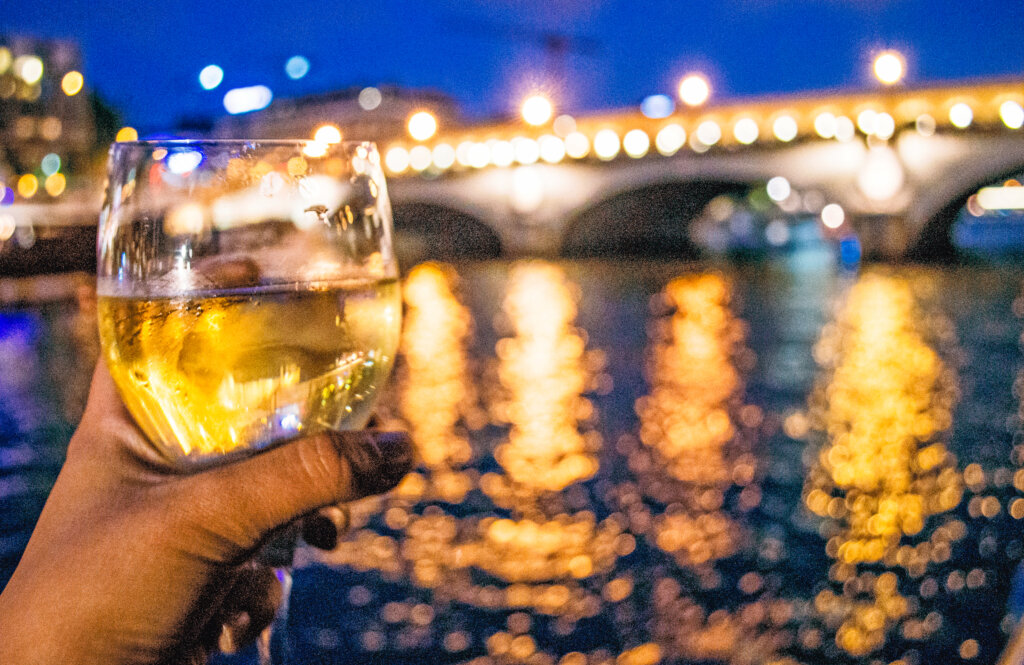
(175, 143)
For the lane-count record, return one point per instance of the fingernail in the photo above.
(379, 460)
(320, 531)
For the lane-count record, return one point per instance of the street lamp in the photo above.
(889, 67)
(537, 110)
(694, 89)
(422, 125)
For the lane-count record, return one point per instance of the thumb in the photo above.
(245, 500)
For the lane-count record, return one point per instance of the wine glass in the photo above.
(248, 291)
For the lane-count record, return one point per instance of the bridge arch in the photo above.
(934, 241)
(652, 219)
(427, 230)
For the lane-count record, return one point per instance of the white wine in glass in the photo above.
(248, 291)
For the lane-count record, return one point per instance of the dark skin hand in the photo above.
(132, 562)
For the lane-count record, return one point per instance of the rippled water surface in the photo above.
(639, 462)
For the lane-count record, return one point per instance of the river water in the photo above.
(636, 462)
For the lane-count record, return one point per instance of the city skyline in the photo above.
(489, 56)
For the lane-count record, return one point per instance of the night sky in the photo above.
(144, 57)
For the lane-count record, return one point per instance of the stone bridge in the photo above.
(900, 163)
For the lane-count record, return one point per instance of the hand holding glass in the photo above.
(248, 291)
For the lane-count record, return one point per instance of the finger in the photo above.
(249, 607)
(323, 528)
(245, 500)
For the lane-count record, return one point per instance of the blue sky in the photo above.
(144, 57)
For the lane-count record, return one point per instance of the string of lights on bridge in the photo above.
(552, 138)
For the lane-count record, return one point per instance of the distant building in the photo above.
(44, 107)
(374, 114)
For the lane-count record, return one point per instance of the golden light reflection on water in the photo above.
(694, 463)
(543, 371)
(550, 555)
(884, 470)
(692, 452)
(438, 399)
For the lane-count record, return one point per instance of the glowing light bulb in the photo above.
(1012, 114)
(396, 159)
(746, 131)
(670, 139)
(889, 67)
(502, 153)
(961, 116)
(885, 126)
(577, 145)
(327, 134)
(422, 125)
(825, 125)
(552, 149)
(636, 143)
(527, 151)
(419, 157)
(866, 121)
(536, 110)
(606, 144)
(844, 129)
(443, 156)
(785, 128)
(694, 90)
(708, 132)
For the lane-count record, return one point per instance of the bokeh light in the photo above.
(552, 148)
(670, 139)
(577, 145)
(327, 134)
(420, 157)
(28, 184)
(746, 131)
(126, 134)
(422, 125)
(825, 125)
(708, 132)
(396, 159)
(72, 83)
(55, 184)
(833, 216)
(606, 144)
(889, 67)
(960, 115)
(657, 106)
(536, 110)
(785, 128)
(29, 68)
(636, 143)
(443, 156)
(370, 98)
(1012, 114)
(50, 164)
(210, 77)
(694, 90)
(778, 189)
(296, 67)
(248, 99)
